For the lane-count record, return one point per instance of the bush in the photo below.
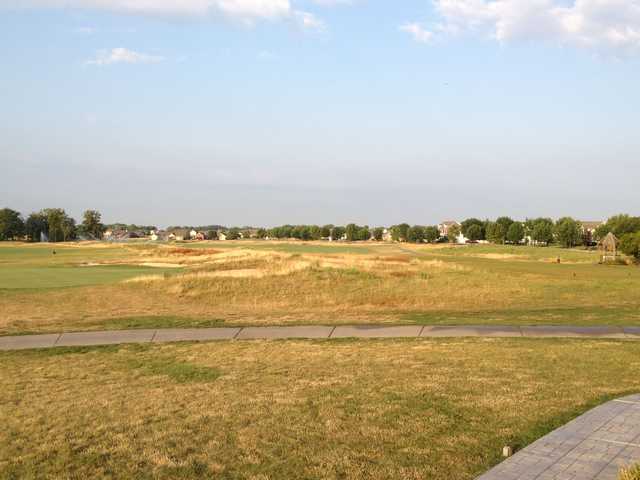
(630, 245)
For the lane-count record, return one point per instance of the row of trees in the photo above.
(565, 231)
(52, 224)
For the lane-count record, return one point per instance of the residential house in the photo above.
(221, 235)
(180, 234)
(386, 235)
(444, 227)
(589, 231)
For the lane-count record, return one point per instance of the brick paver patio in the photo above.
(594, 446)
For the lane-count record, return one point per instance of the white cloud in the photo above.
(607, 25)
(309, 21)
(122, 55)
(417, 31)
(243, 10)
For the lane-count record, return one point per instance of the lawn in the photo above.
(284, 283)
(410, 409)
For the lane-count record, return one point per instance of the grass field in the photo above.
(413, 409)
(92, 286)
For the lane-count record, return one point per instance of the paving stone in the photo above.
(559, 331)
(105, 338)
(21, 342)
(591, 447)
(370, 331)
(471, 331)
(284, 332)
(194, 334)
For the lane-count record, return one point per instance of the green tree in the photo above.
(454, 233)
(516, 233)
(352, 232)
(36, 225)
(337, 233)
(478, 232)
(92, 224)
(619, 225)
(325, 231)
(233, 234)
(364, 233)
(540, 230)
(415, 234)
(568, 232)
(630, 244)
(11, 224)
(495, 233)
(504, 223)
(261, 233)
(474, 233)
(431, 234)
(378, 233)
(399, 232)
(315, 232)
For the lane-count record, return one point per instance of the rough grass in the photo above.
(260, 283)
(414, 409)
(632, 473)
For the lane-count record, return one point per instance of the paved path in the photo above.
(594, 446)
(342, 331)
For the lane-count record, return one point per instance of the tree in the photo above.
(364, 233)
(471, 222)
(619, 225)
(35, 226)
(233, 234)
(415, 234)
(399, 232)
(315, 232)
(454, 233)
(352, 232)
(474, 233)
(504, 223)
(494, 233)
(540, 230)
(91, 224)
(515, 234)
(337, 233)
(11, 224)
(325, 231)
(261, 233)
(431, 234)
(568, 232)
(378, 233)
(630, 244)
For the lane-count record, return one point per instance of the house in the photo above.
(200, 236)
(193, 234)
(386, 235)
(180, 234)
(153, 236)
(221, 235)
(444, 227)
(589, 231)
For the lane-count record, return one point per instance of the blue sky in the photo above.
(271, 111)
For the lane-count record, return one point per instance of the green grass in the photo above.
(379, 409)
(70, 276)
(583, 316)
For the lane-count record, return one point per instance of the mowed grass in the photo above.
(284, 283)
(59, 266)
(413, 409)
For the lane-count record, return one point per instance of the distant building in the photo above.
(589, 231)
(444, 227)
(386, 235)
(221, 235)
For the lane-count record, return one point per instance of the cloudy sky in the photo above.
(326, 111)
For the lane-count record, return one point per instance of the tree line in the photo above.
(55, 225)
(49, 224)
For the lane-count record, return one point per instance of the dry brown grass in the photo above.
(417, 409)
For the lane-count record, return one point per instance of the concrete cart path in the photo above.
(594, 446)
(112, 337)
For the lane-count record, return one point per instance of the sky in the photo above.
(265, 112)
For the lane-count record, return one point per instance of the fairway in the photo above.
(141, 284)
(418, 409)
